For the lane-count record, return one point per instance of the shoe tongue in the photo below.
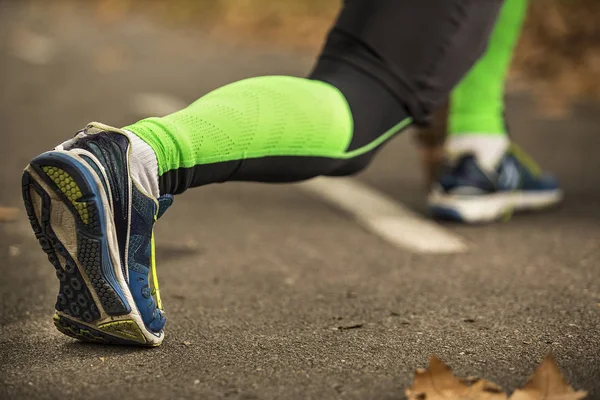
(164, 202)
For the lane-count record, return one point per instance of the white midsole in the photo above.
(490, 207)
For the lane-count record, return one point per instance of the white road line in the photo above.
(156, 104)
(32, 47)
(385, 217)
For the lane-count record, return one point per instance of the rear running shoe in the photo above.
(96, 226)
(464, 192)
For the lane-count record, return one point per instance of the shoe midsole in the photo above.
(491, 206)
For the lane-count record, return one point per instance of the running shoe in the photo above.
(96, 226)
(465, 192)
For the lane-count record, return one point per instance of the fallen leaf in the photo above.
(486, 390)
(187, 343)
(14, 251)
(346, 328)
(439, 383)
(470, 380)
(8, 214)
(547, 383)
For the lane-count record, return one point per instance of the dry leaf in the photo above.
(547, 383)
(14, 251)
(8, 214)
(439, 383)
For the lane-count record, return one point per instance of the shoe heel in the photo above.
(67, 210)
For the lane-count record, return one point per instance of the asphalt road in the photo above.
(259, 279)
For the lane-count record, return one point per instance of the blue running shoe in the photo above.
(464, 192)
(96, 226)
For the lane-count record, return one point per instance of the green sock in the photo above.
(253, 118)
(477, 103)
(265, 129)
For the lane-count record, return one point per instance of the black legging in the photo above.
(391, 59)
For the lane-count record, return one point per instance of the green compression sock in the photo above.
(253, 118)
(266, 129)
(477, 103)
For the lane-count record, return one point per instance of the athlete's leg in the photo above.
(92, 202)
(487, 176)
(477, 103)
(374, 77)
(476, 119)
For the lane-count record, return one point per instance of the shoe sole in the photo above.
(69, 217)
(489, 208)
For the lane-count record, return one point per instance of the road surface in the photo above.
(262, 283)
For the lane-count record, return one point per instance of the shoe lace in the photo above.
(155, 288)
(520, 154)
(164, 202)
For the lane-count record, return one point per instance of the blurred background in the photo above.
(271, 292)
(559, 51)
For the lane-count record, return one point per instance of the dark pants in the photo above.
(393, 60)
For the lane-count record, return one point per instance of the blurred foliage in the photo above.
(558, 57)
(559, 54)
(300, 24)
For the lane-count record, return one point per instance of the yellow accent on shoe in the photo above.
(126, 329)
(67, 185)
(531, 165)
(155, 289)
(64, 329)
(507, 214)
(77, 333)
